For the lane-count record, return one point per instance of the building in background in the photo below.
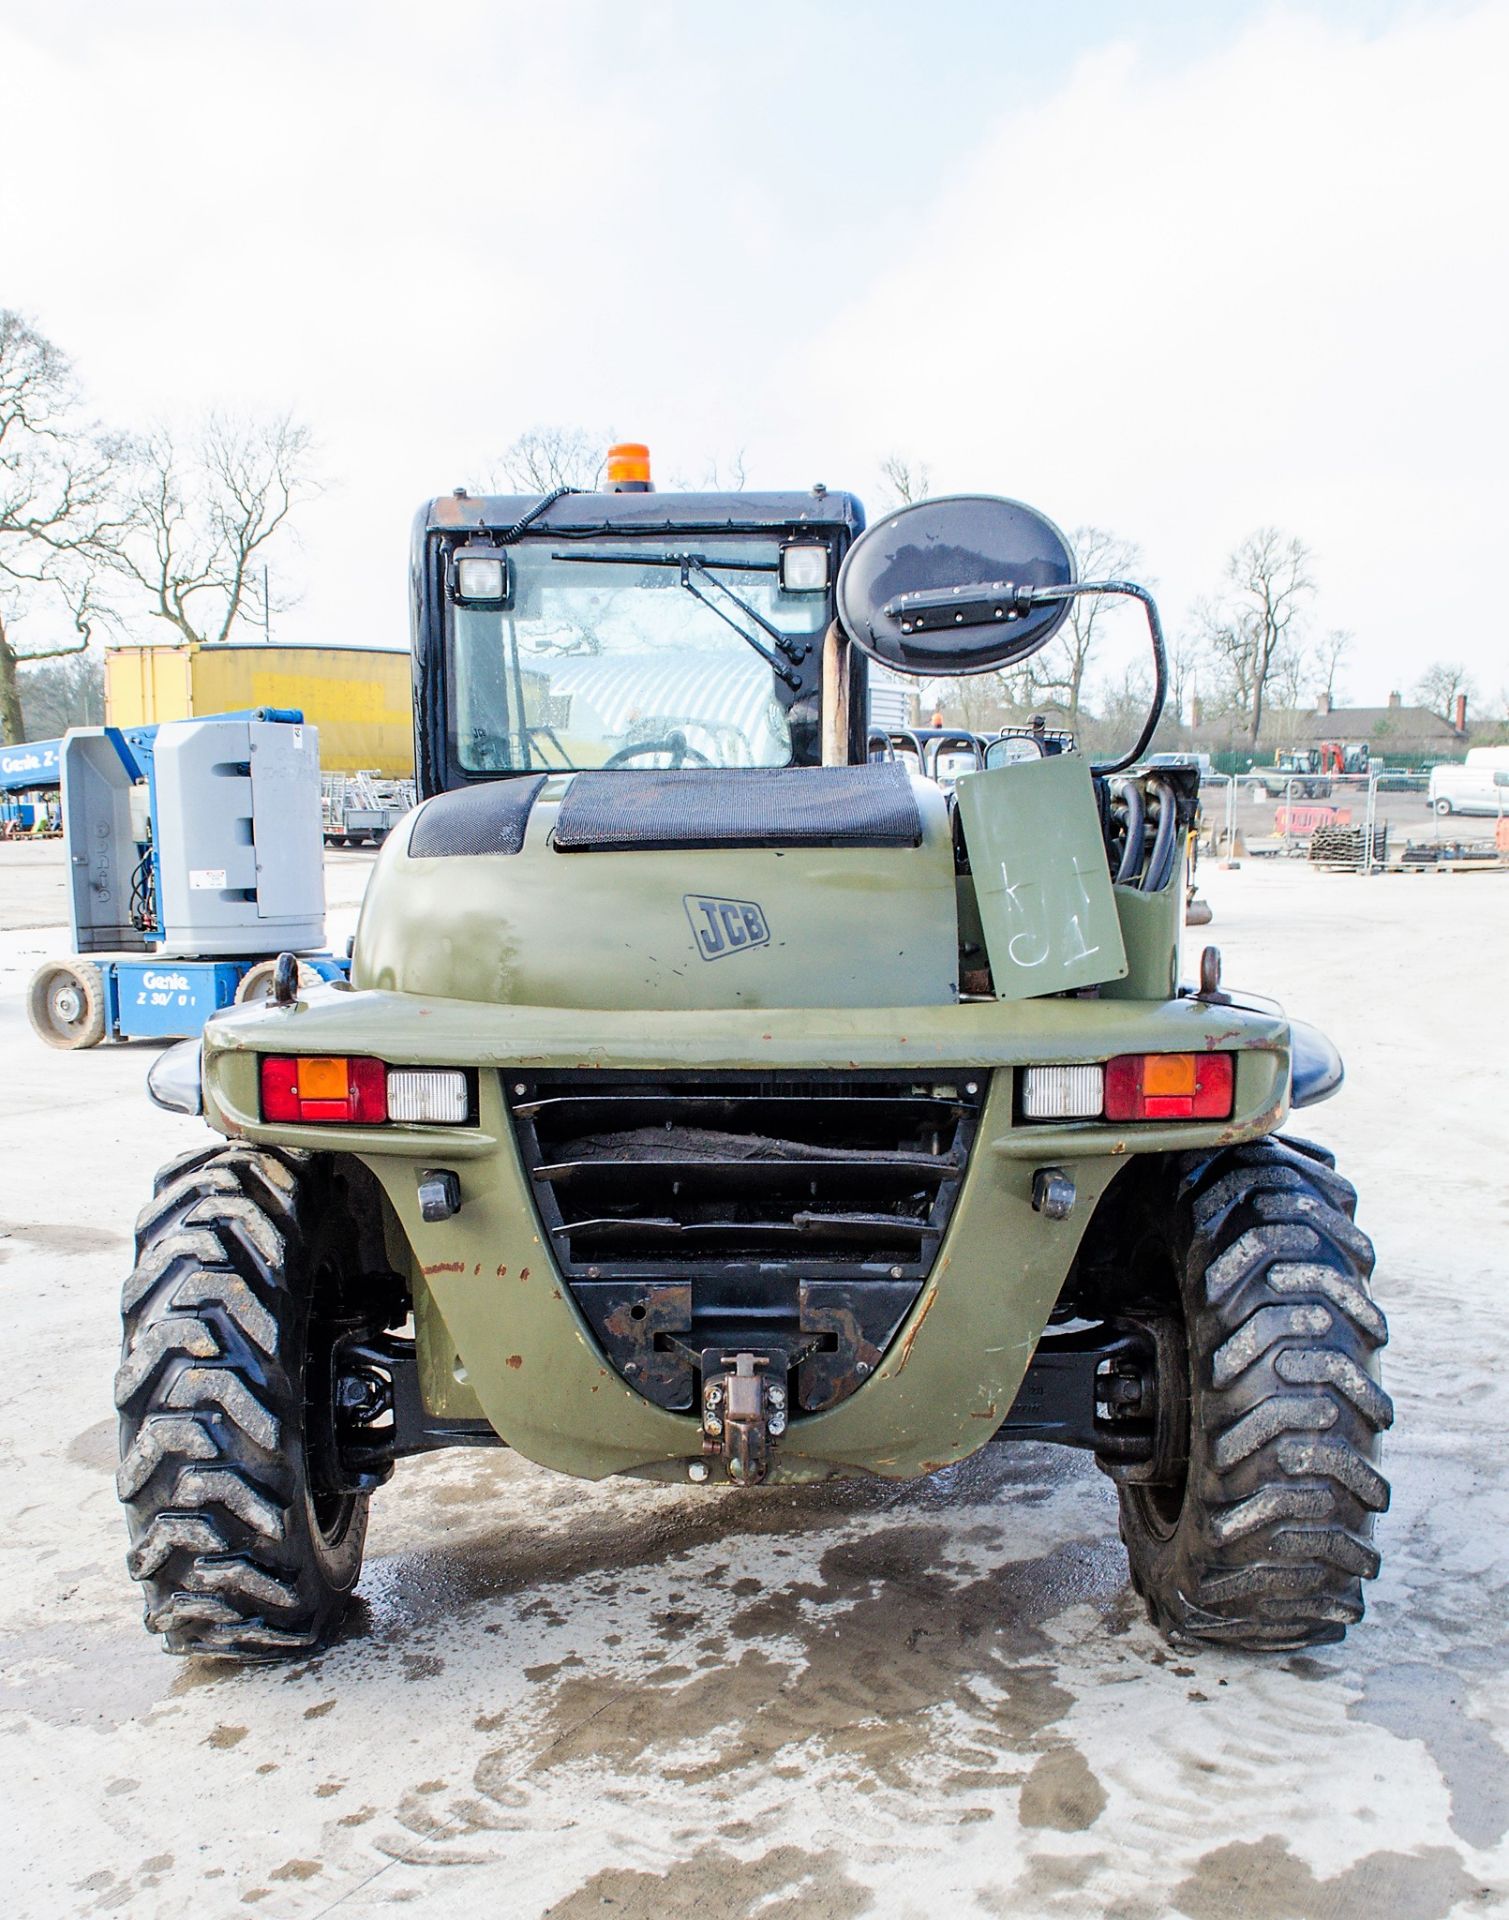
(360, 698)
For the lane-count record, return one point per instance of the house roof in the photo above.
(1398, 729)
(1361, 723)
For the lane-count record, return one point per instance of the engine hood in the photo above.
(800, 887)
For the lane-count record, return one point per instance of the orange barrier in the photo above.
(1302, 821)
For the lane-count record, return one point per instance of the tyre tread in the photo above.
(1274, 1538)
(210, 1393)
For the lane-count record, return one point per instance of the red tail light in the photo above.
(324, 1089)
(1170, 1086)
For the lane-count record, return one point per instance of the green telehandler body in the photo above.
(712, 1101)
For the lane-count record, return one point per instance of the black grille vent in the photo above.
(842, 1175)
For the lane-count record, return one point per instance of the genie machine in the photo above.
(194, 858)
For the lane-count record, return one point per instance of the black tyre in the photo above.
(1261, 1536)
(240, 1260)
(1442, 807)
(66, 1003)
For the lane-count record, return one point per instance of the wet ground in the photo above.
(930, 1699)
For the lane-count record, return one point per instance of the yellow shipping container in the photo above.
(358, 697)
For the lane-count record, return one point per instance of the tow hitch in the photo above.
(743, 1410)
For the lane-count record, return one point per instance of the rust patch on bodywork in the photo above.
(444, 1266)
(830, 1375)
(907, 1343)
(855, 1322)
(631, 1318)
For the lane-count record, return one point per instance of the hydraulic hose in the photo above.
(1131, 854)
(1161, 861)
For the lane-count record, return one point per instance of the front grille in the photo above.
(830, 1175)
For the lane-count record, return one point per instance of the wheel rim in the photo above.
(1160, 1503)
(66, 1004)
(330, 1511)
(256, 984)
(330, 1515)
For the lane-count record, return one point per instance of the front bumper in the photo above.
(507, 1325)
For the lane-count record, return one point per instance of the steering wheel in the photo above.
(674, 744)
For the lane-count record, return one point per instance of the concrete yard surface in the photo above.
(934, 1699)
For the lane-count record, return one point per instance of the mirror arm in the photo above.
(1131, 590)
(835, 711)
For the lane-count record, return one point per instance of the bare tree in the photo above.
(1121, 703)
(1183, 665)
(978, 700)
(202, 516)
(57, 519)
(1058, 673)
(1252, 631)
(721, 473)
(544, 458)
(60, 694)
(728, 475)
(1287, 681)
(1440, 684)
(1326, 659)
(904, 478)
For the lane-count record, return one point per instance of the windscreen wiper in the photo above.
(689, 564)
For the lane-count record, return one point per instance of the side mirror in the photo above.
(944, 587)
(971, 584)
(1017, 743)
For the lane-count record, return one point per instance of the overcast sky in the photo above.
(1175, 269)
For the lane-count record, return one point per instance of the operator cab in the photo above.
(683, 652)
(624, 628)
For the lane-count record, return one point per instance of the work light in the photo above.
(804, 566)
(479, 575)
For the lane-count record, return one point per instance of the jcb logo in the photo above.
(722, 927)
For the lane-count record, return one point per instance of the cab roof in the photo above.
(581, 513)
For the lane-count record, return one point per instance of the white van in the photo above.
(1480, 785)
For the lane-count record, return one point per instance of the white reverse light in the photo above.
(804, 566)
(435, 1094)
(1063, 1093)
